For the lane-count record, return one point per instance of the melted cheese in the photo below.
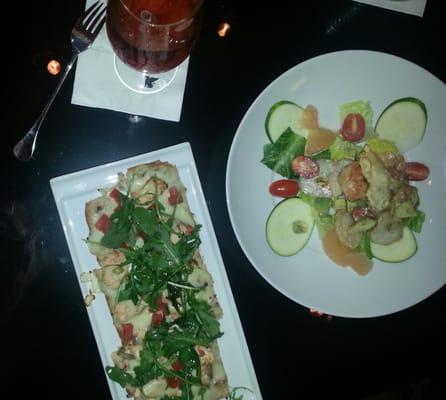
(106, 205)
(170, 176)
(155, 388)
(124, 311)
(199, 278)
(143, 174)
(141, 322)
(181, 210)
(206, 294)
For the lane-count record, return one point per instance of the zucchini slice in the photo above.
(289, 226)
(282, 115)
(398, 251)
(403, 122)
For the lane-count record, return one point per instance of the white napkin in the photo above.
(97, 85)
(414, 7)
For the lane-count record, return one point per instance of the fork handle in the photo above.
(24, 149)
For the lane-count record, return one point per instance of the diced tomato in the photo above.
(416, 171)
(157, 318)
(127, 333)
(161, 303)
(353, 127)
(174, 196)
(174, 382)
(103, 223)
(284, 188)
(306, 167)
(159, 315)
(186, 229)
(115, 194)
(125, 245)
(177, 366)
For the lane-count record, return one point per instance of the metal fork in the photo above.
(83, 35)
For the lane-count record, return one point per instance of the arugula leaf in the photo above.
(180, 340)
(188, 244)
(127, 292)
(190, 335)
(147, 277)
(158, 265)
(119, 233)
(121, 230)
(233, 393)
(146, 220)
(278, 155)
(148, 367)
(118, 375)
(210, 325)
(190, 360)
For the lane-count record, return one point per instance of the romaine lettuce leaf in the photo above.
(321, 205)
(323, 155)
(415, 223)
(279, 155)
(364, 245)
(380, 146)
(341, 149)
(358, 107)
(324, 223)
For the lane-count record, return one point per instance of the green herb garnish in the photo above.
(160, 265)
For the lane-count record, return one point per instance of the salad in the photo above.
(354, 183)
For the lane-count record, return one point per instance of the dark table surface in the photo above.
(50, 347)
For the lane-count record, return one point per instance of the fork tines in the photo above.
(94, 14)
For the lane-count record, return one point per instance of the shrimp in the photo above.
(378, 178)
(352, 181)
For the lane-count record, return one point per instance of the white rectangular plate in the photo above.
(72, 191)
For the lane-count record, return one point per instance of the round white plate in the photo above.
(310, 278)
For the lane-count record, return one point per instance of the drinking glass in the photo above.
(151, 38)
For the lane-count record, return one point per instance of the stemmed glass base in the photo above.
(141, 82)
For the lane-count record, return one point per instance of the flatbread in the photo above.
(153, 186)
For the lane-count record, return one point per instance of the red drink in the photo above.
(153, 35)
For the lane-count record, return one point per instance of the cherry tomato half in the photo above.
(306, 167)
(284, 188)
(353, 127)
(416, 171)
